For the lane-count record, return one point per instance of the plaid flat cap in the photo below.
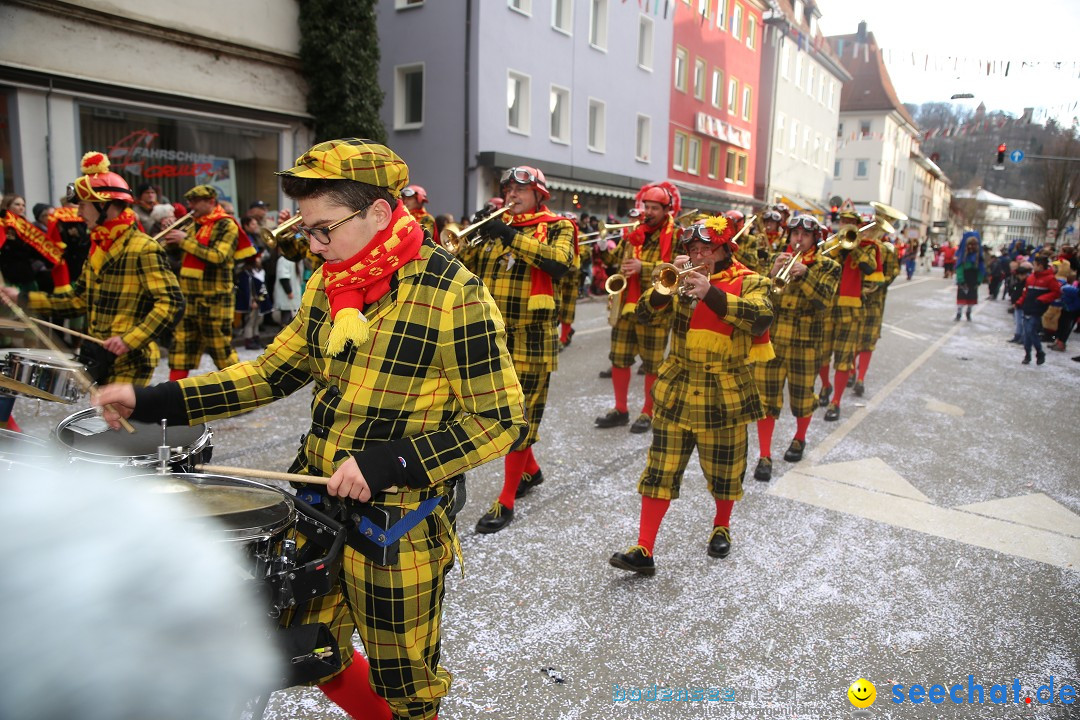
(200, 191)
(353, 159)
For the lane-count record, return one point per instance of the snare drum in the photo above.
(86, 437)
(46, 371)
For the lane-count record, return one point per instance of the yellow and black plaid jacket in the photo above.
(431, 394)
(218, 254)
(801, 309)
(133, 294)
(650, 254)
(890, 268)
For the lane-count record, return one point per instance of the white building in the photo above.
(1000, 220)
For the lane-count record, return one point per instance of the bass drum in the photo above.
(86, 437)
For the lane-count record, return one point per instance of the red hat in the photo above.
(715, 231)
(419, 192)
(662, 193)
(526, 175)
(98, 184)
(736, 219)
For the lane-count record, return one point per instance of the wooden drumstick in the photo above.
(271, 475)
(69, 331)
(80, 372)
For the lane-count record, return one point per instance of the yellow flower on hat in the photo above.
(718, 224)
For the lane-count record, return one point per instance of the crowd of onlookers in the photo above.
(1044, 299)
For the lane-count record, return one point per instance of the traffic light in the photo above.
(834, 213)
(1000, 165)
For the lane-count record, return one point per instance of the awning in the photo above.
(588, 188)
(801, 203)
(707, 198)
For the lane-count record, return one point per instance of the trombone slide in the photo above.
(178, 225)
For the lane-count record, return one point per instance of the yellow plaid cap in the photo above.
(353, 159)
(200, 191)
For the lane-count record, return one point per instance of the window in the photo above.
(827, 154)
(693, 159)
(793, 141)
(785, 58)
(736, 22)
(681, 60)
(408, 97)
(645, 43)
(406, 4)
(822, 82)
(598, 24)
(743, 163)
(799, 77)
(840, 130)
(562, 15)
(559, 108)
(721, 14)
(800, 11)
(810, 79)
(836, 169)
(778, 142)
(644, 138)
(522, 6)
(731, 167)
(832, 93)
(703, 8)
(699, 78)
(678, 152)
(751, 32)
(517, 102)
(717, 88)
(817, 150)
(806, 144)
(864, 128)
(733, 96)
(862, 168)
(714, 160)
(746, 102)
(596, 125)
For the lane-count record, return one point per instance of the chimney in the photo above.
(861, 36)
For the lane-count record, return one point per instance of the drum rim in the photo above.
(144, 460)
(48, 358)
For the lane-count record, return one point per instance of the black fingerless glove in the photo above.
(499, 229)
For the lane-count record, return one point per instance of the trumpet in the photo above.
(178, 225)
(668, 279)
(846, 238)
(783, 276)
(284, 231)
(602, 233)
(453, 236)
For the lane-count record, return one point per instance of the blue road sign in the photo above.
(1016, 155)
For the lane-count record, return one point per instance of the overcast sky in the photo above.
(1046, 30)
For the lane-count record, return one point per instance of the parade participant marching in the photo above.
(126, 289)
(415, 198)
(413, 386)
(874, 297)
(520, 261)
(211, 245)
(796, 334)
(748, 246)
(970, 273)
(639, 251)
(705, 393)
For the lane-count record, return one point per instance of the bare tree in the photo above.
(1059, 193)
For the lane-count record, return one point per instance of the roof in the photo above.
(980, 195)
(870, 89)
(817, 41)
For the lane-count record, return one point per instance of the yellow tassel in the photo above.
(708, 340)
(62, 289)
(846, 301)
(761, 352)
(349, 325)
(541, 302)
(189, 272)
(875, 277)
(629, 308)
(247, 252)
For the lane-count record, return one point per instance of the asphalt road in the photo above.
(932, 534)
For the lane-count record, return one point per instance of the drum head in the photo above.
(247, 510)
(19, 445)
(87, 436)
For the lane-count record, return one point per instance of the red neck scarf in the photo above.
(708, 331)
(32, 236)
(194, 267)
(636, 238)
(541, 290)
(365, 277)
(106, 234)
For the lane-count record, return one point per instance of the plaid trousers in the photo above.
(874, 315)
(630, 339)
(798, 367)
(722, 454)
(205, 326)
(847, 324)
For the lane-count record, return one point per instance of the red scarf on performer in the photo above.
(32, 236)
(636, 238)
(541, 291)
(851, 279)
(104, 235)
(192, 266)
(708, 331)
(365, 277)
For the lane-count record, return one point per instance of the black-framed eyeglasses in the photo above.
(321, 235)
(806, 222)
(519, 175)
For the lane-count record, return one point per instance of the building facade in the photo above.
(176, 95)
(801, 84)
(1000, 220)
(578, 88)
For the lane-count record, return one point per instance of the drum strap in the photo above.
(385, 537)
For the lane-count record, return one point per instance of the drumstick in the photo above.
(69, 331)
(80, 372)
(271, 475)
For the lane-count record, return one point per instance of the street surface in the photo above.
(931, 534)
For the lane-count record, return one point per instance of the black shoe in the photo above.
(957, 318)
(763, 471)
(859, 388)
(720, 542)
(1026, 360)
(641, 370)
(824, 395)
(851, 379)
(642, 424)
(569, 338)
(605, 373)
(794, 451)
(1017, 341)
(613, 418)
(1040, 357)
(968, 316)
(636, 559)
(528, 482)
(495, 519)
(833, 413)
(1076, 359)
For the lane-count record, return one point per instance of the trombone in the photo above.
(453, 235)
(178, 225)
(846, 238)
(602, 233)
(668, 279)
(687, 217)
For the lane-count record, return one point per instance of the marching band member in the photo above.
(520, 261)
(415, 198)
(570, 288)
(211, 245)
(796, 335)
(126, 289)
(705, 393)
(413, 386)
(874, 296)
(639, 251)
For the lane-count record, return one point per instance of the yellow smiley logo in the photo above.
(862, 693)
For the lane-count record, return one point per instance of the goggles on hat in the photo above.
(773, 216)
(408, 192)
(806, 222)
(695, 232)
(518, 175)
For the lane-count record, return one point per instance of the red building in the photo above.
(716, 67)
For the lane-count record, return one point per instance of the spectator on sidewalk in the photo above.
(999, 270)
(1070, 310)
(948, 259)
(1041, 289)
(1015, 289)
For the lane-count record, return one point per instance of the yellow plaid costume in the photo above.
(797, 334)
(704, 398)
(207, 322)
(132, 294)
(433, 387)
(848, 320)
(874, 303)
(532, 336)
(569, 285)
(632, 337)
(750, 246)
